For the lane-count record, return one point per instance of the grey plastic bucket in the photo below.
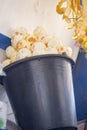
(40, 90)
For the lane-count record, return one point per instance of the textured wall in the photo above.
(31, 13)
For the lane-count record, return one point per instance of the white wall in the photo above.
(31, 13)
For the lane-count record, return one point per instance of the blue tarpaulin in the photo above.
(80, 86)
(4, 41)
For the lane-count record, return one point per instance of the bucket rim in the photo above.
(38, 57)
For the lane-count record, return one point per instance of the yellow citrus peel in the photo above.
(75, 15)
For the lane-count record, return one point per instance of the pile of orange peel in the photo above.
(75, 14)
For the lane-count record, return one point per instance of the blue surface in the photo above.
(80, 86)
(4, 41)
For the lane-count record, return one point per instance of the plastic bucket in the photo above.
(40, 90)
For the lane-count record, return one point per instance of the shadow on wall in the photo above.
(80, 86)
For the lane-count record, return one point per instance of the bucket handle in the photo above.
(2, 74)
(1, 80)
